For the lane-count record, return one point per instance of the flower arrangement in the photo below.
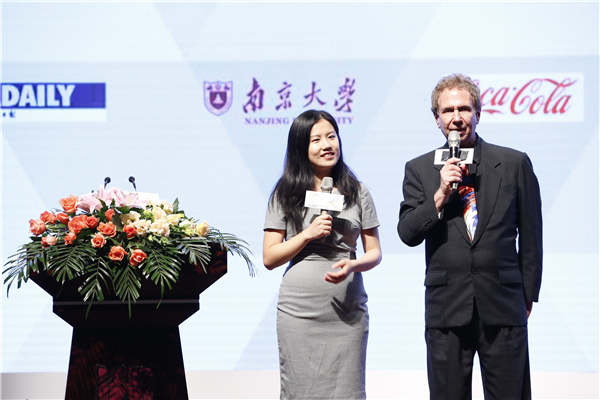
(112, 239)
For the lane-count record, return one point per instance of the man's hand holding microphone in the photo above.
(451, 173)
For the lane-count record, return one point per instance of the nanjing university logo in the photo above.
(218, 96)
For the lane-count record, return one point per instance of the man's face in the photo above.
(456, 113)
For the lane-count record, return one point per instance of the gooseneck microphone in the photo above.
(326, 187)
(132, 180)
(454, 147)
(106, 181)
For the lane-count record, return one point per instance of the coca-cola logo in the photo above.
(518, 97)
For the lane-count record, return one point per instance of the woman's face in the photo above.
(323, 148)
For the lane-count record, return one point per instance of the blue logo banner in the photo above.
(53, 95)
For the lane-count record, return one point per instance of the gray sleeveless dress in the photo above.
(322, 328)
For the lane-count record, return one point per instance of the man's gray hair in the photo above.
(456, 81)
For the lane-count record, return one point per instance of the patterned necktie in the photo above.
(467, 194)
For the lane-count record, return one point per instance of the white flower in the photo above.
(142, 226)
(129, 218)
(160, 227)
(167, 206)
(164, 204)
(158, 213)
(184, 223)
(188, 227)
(202, 229)
(147, 198)
(174, 218)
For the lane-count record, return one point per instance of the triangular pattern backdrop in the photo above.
(155, 60)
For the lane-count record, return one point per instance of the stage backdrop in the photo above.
(195, 101)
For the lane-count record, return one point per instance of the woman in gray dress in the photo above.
(322, 318)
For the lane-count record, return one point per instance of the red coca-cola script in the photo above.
(538, 95)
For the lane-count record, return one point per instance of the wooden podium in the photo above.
(117, 357)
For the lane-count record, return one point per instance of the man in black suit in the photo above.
(483, 253)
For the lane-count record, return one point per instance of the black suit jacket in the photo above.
(491, 270)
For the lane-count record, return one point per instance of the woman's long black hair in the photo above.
(298, 175)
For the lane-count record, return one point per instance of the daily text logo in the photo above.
(551, 97)
(53, 101)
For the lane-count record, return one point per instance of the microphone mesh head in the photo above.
(327, 184)
(453, 139)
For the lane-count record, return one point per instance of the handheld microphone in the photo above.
(326, 187)
(106, 181)
(454, 147)
(132, 180)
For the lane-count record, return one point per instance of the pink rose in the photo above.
(117, 253)
(92, 222)
(63, 218)
(37, 226)
(109, 229)
(78, 223)
(69, 204)
(130, 231)
(109, 214)
(98, 241)
(48, 241)
(70, 238)
(48, 217)
(137, 257)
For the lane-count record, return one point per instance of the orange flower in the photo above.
(92, 222)
(69, 204)
(109, 214)
(48, 241)
(48, 217)
(98, 241)
(37, 226)
(137, 257)
(78, 223)
(63, 218)
(117, 253)
(130, 230)
(70, 238)
(109, 229)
